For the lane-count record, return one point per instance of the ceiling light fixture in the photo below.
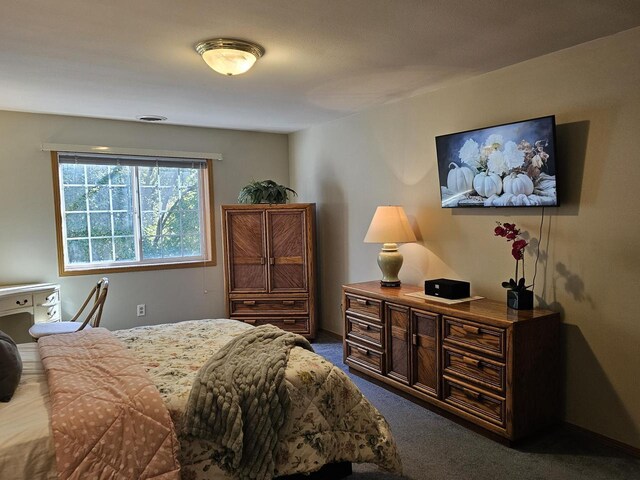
(229, 56)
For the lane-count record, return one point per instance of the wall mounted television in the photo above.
(508, 165)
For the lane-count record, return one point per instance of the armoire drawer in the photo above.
(268, 306)
(365, 331)
(475, 336)
(367, 307)
(294, 324)
(476, 402)
(364, 356)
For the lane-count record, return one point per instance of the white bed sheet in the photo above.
(26, 447)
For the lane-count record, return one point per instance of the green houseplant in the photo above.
(265, 191)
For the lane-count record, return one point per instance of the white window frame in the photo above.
(206, 218)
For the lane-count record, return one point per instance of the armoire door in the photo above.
(286, 239)
(246, 248)
(424, 356)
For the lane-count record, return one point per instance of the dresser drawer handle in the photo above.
(362, 326)
(362, 301)
(471, 393)
(289, 321)
(288, 303)
(471, 361)
(470, 329)
(52, 312)
(249, 302)
(22, 302)
(250, 321)
(363, 351)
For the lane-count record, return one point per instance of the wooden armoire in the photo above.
(269, 264)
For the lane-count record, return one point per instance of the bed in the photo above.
(328, 421)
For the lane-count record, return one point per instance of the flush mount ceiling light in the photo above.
(229, 56)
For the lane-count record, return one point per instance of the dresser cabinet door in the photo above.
(424, 352)
(246, 249)
(398, 360)
(286, 233)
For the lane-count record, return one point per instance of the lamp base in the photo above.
(390, 261)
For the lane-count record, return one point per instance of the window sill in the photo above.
(137, 268)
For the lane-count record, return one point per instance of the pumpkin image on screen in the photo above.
(508, 165)
(460, 179)
(518, 184)
(487, 184)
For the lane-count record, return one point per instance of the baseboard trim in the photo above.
(334, 335)
(604, 440)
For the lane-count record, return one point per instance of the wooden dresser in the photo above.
(269, 262)
(495, 367)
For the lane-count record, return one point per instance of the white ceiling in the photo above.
(324, 59)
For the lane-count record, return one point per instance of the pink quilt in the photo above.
(108, 419)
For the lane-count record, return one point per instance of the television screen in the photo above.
(510, 165)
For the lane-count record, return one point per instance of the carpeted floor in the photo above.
(433, 447)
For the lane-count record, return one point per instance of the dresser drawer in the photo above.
(13, 302)
(364, 356)
(365, 331)
(269, 306)
(475, 336)
(368, 307)
(46, 299)
(474, 368)
(46, 314)
(295, 325)
(478, 403)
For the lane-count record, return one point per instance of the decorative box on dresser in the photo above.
(269, 262)
(495, 367)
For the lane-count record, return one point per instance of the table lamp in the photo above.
(390, 226)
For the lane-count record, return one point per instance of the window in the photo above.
(119, 212)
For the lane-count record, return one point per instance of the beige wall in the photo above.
(27, 229)
(590, 266)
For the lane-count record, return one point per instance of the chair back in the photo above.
(99, 294)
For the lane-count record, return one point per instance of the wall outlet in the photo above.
(142, 310)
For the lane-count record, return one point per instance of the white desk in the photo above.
(41, 300)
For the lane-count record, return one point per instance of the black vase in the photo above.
(520, 300)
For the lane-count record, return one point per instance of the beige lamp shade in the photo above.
(390, 225)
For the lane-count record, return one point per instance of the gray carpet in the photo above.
(433, 447)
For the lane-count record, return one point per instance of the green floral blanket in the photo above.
(328, 418)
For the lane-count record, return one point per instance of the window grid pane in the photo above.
(165, 193)
(99, 205)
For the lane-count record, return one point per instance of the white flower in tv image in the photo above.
(502, 166)
(495, 141)
(470, 153)
(497, 163)
(513, 155)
